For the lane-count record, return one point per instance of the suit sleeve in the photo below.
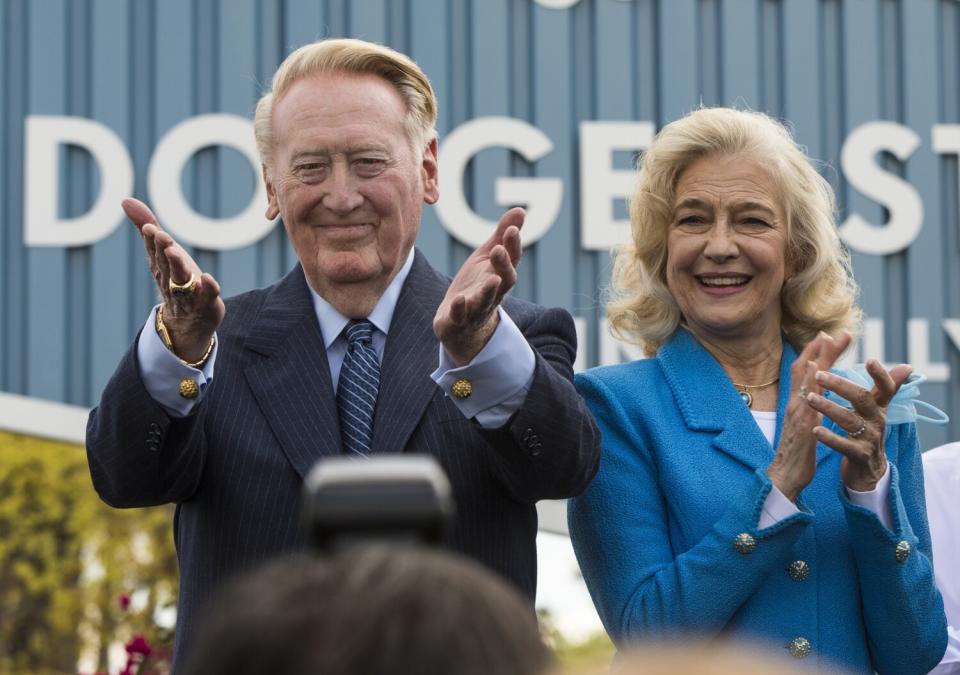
(905, 621)
(550, 448)
(641, 587)
(137, 453)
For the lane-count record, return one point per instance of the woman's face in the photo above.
(726, 249)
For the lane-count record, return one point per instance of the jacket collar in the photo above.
(709, 402)
(410, 355)
(290, 376)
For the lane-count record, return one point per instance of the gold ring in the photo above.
(803, 392)
(188, 287)
(859, 432)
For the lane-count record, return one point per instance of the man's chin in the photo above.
(348, 270)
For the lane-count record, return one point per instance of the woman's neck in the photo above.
(751, 362)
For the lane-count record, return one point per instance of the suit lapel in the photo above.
(411, 354)
(289, 375)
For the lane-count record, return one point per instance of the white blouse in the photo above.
(941, 477)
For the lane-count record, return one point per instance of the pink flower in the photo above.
(124, 602)
(139, 645)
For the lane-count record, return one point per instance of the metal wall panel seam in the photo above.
(79, 186)
(950, 172)
(552, 114)
(14, 275)
(429, 46)
(109, 306)
(45, 287)
(740, 76)
(923, 261)
(368, 20)
(237, 179)
(4, 189)
(460, 99)
(268, 35)
(861, 74)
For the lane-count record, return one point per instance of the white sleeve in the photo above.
(876, 499)
(501, 375)
(776, 507)
(162, 372)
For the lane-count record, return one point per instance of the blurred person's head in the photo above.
(371, 610)
(692, 657)
(798, 276)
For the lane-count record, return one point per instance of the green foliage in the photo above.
(573, 655)
(66, 559)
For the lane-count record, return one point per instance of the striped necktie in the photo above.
(357, 389)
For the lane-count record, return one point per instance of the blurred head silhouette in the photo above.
(371, 610)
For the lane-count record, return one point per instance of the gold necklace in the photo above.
(744, 390)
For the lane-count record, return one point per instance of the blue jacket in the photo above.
(683, 473)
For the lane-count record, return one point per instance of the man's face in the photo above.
(346, 180)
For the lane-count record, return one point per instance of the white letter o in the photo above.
(163, 182)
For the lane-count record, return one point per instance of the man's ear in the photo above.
(273, 209)
(431, 177)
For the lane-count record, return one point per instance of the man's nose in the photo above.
(721, 242)
(341, 195)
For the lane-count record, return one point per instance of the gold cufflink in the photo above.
(462, 388)
(189, 389)
(744, 543)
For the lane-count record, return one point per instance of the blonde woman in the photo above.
(744, 487)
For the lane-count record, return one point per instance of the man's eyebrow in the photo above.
(365, 147)
(350, 151)
(307, 154)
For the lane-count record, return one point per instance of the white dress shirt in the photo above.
(941, 477)
(501, 373)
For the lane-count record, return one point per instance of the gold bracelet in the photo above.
(168, 343)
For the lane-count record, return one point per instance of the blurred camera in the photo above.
(395, 498)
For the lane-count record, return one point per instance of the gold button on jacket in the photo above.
(798, 570)
(902, 551)
(744, 543)
(799, 647)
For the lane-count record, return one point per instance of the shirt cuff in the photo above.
(500, 375)
(776, 507)
(876, 499)
(162, 372)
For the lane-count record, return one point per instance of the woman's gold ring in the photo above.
(188, 287)
(860, 430)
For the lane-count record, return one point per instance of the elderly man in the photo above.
(363, 348)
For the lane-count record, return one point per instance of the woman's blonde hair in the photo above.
(819, 293)
(356, 57)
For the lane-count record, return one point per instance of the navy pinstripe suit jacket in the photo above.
(234, 467)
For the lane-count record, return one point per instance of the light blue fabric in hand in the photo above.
(903, 407)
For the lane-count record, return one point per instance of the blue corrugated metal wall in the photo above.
(142, 66)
